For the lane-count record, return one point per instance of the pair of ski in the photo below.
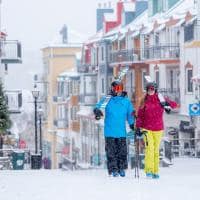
(119, 78)
(137, 155)
(136, 140)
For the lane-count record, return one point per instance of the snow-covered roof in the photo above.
(160, 27)
(111, 37)
(129, 6)
(64, 76)
(69, 74)
(61, 45)
(179, 23)
(191, 20)
(85, 111)
(109, 17)
(181, 7)
(148, 28)
(136, 24)
(115, 30)
(96, 37)
(135, 33)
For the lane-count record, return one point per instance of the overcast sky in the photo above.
(37, 23)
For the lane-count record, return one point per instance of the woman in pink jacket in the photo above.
(150, 119)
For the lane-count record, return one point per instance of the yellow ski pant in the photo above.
(152, 144)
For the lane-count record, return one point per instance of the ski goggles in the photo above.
(117, 88)
(151, 88)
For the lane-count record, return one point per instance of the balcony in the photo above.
(11, 52)
(14, 101)
(173, 94)
(88, 99)
(83, 68)
(124, 56)
(60, 99)
(161, 52)
(60, 123)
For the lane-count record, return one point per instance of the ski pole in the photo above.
(136, 157)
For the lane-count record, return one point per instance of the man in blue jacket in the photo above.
(118, 110)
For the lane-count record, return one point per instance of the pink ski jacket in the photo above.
(150, 115)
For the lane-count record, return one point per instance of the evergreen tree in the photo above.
(5, 122)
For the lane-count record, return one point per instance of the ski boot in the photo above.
(155, 176)
(149, 175)
(115, 174)
(122, 173)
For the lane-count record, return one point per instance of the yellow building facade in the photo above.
(56, 59)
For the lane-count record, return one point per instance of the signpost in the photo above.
(194, 109)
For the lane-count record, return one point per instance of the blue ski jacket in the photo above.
(117, 112)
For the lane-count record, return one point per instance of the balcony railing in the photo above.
(161, 52)
(61, 123)
(155, 52)
(173, 94)
(123, 56)
(60, 99)
(10, 51)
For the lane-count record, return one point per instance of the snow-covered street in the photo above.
(178, 182)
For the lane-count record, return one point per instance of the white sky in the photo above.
(36, 23)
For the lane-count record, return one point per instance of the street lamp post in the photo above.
(40, 129)
(35, 96)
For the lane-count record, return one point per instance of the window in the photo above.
(62, 112)
(60, 88)
(157, 77)
(90, 85)
(74, 110)
(189, 32)
(75, 87)
(189, 86)
(171, 80)
(144, 81)
(102, 85)
(102, 53)
(157, 39)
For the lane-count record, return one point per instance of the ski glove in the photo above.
(138, 132)
(132, 127)
(167, 108)
(98, 113)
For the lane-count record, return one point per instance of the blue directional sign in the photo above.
(194, 109)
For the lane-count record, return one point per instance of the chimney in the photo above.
(64, 34)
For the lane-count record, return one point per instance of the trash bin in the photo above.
(47, 163)
(18, 160)
(36, 161)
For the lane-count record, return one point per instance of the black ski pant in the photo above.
(116, 154)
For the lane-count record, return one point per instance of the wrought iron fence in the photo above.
(161, 51)
(125, 55)
(173, 94)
